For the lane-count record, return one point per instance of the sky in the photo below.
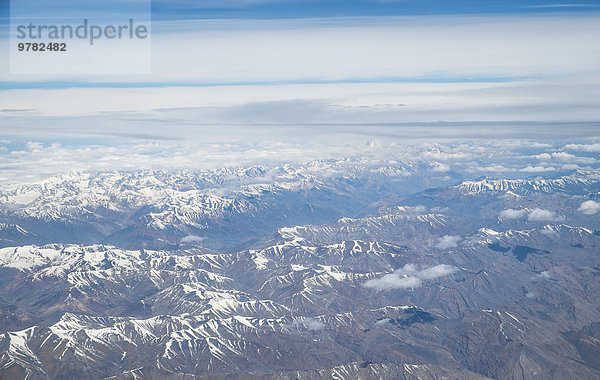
(268, 72)
(269, 9)
(289, 9)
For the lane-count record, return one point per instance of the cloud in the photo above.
(409, 277)
(36, 162)
(28, 160)
(570, 167)
(535, 215)
(537, 169)
(34, 146)
(394, 281)
(312, 324)
(497, 168)
(563, 155)
(440, 167)
(512, 214)
(432, 273)
(440, 155)
(381, 66)
(568, 157)
(496, 46)
(591, 148)
(448, 241)
(191, 239)
(589, 208)
(308, 323)
(541, 215)
(545, 274)
(383, 322)
(543, 156)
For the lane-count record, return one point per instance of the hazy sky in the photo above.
(333, 71)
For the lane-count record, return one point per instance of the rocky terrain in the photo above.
(335, 269)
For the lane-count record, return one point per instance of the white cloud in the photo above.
(563, 155)
(409, 277)
(569, 167)
(541, 215)
(312, 324)
(191, 239)
(383, 322)
(493, 169)
(33, 161)
(545, 275)
(448, 241)
(543, 156)
(435, 272)
(589, 208)
(226, 53)
(440, 167)
(535, 215)
(322, 48)
(537, 169)
(394, 281)
(592, 148)
(34, 146)
(568, 157)
(308, 323)
(489, 45)
(40, 162)
(440, 155)
(512, 214)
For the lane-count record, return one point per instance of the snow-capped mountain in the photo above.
(337, 269)
(226, 207)
(580, 182)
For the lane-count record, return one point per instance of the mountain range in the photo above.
(333, 269)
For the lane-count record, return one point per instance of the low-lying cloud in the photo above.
(541, 215)
(313, 324)
(591, 148)
(535, 215)
(589, 208)
(191, 239)
(544, 275)
(512, 214)
(410, 277)
(448, 241)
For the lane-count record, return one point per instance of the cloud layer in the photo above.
(31, 161)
